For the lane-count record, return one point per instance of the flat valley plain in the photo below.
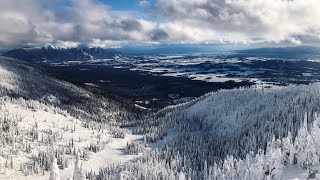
(153, 82)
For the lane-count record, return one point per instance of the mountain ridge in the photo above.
(295, 52)
(51, 54)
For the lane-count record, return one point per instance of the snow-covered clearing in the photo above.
(171, 133)
(295, 173)
(141, 107)
(91, 84)
(113, 153)
(51, 98)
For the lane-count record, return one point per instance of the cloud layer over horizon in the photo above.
(91, 22)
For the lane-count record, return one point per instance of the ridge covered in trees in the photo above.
(251, 133)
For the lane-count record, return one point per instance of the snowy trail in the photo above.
(112, 154)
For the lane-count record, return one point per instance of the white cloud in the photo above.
(67, 44)
(241, 20)
(185, 21)
(144, 3)
(82, 22)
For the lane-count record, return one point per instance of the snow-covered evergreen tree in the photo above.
(54, 171)
(288, 149)
(77, 174)
(182, 176)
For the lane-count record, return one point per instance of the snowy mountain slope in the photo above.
(35, 133)
(228, 112)
(251, 133)
(19, 79)
(49, 54)
(42, 118)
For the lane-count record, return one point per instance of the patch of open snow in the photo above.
(295, 173)
(141, 107)
(51, 98)
(174, 96)
(307, 74)
(171, 133)
(143, 102)
(213, 78)
(113, 153)
(104, 81)
(159, 70)
(89, 55)
(119, 67)
(176, 74)
(91, 84)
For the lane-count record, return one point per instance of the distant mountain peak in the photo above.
(296, 52)
(51, 53)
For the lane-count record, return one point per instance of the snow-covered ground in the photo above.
(70, 128)
(113, 153)
(51, 98)
(193, 67)
(35, 123)
(295, 172)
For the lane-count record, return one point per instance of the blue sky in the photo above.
(132, 7)
(124, 5)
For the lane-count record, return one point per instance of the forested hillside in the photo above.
(19, 79)
(251, 133)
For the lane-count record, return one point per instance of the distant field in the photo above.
(147, 90)
(157, 81)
